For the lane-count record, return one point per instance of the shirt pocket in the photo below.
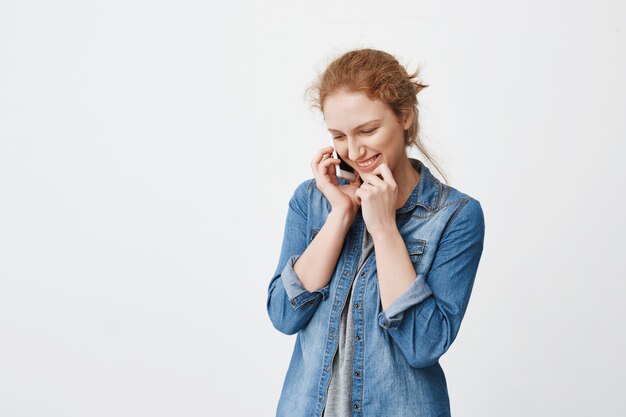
(415, 248)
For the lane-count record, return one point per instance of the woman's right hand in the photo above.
(340, 197)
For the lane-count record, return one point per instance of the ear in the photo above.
(408, 120)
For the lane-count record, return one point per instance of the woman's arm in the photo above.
(316, 265)
(395, 270)
(302, 277)
(424, 320)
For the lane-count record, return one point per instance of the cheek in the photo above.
(342, 150)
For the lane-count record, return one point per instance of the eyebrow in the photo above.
(358, 127)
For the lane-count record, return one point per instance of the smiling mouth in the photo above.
(369, 162)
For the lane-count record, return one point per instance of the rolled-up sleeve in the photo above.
(425, 319)
(417, 292)
(296, 293)
(289, 305)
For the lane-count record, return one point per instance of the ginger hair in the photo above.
(380, 76)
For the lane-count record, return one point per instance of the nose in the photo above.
(353, 149)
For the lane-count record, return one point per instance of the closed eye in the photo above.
(367, 132)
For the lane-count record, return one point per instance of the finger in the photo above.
(329, 160)
(367, 187)
(357, 196)
(325, 165)
(383, 169)
(373, 179)
(324, 152)
(319, 156)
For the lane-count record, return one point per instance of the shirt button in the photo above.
(293, 302)
(362, 273)
(386, 324)
(357, 305)
(357, 373)
(356, 406)
(358, 338)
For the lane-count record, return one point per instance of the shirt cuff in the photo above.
(297, 294)
(417, 292)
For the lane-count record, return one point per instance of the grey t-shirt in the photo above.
(339, 399)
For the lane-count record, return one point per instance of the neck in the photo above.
(407, 178)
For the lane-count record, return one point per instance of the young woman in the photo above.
(375, 274)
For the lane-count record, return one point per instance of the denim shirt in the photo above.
(396, 370)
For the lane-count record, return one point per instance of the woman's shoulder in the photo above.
(465, 210)
(451, 195)
(307, 194)
(302, 194)
(304, 187)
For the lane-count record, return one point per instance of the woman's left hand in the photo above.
(378, 198)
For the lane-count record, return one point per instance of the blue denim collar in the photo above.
(427, 192)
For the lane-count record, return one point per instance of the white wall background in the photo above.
(148, 150)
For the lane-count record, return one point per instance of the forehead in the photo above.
(346, 109)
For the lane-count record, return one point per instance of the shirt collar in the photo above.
(426, 193)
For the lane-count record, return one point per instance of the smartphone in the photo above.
(343, 170)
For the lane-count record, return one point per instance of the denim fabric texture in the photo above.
(396, 370)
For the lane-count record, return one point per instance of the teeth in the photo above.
(369, 162)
